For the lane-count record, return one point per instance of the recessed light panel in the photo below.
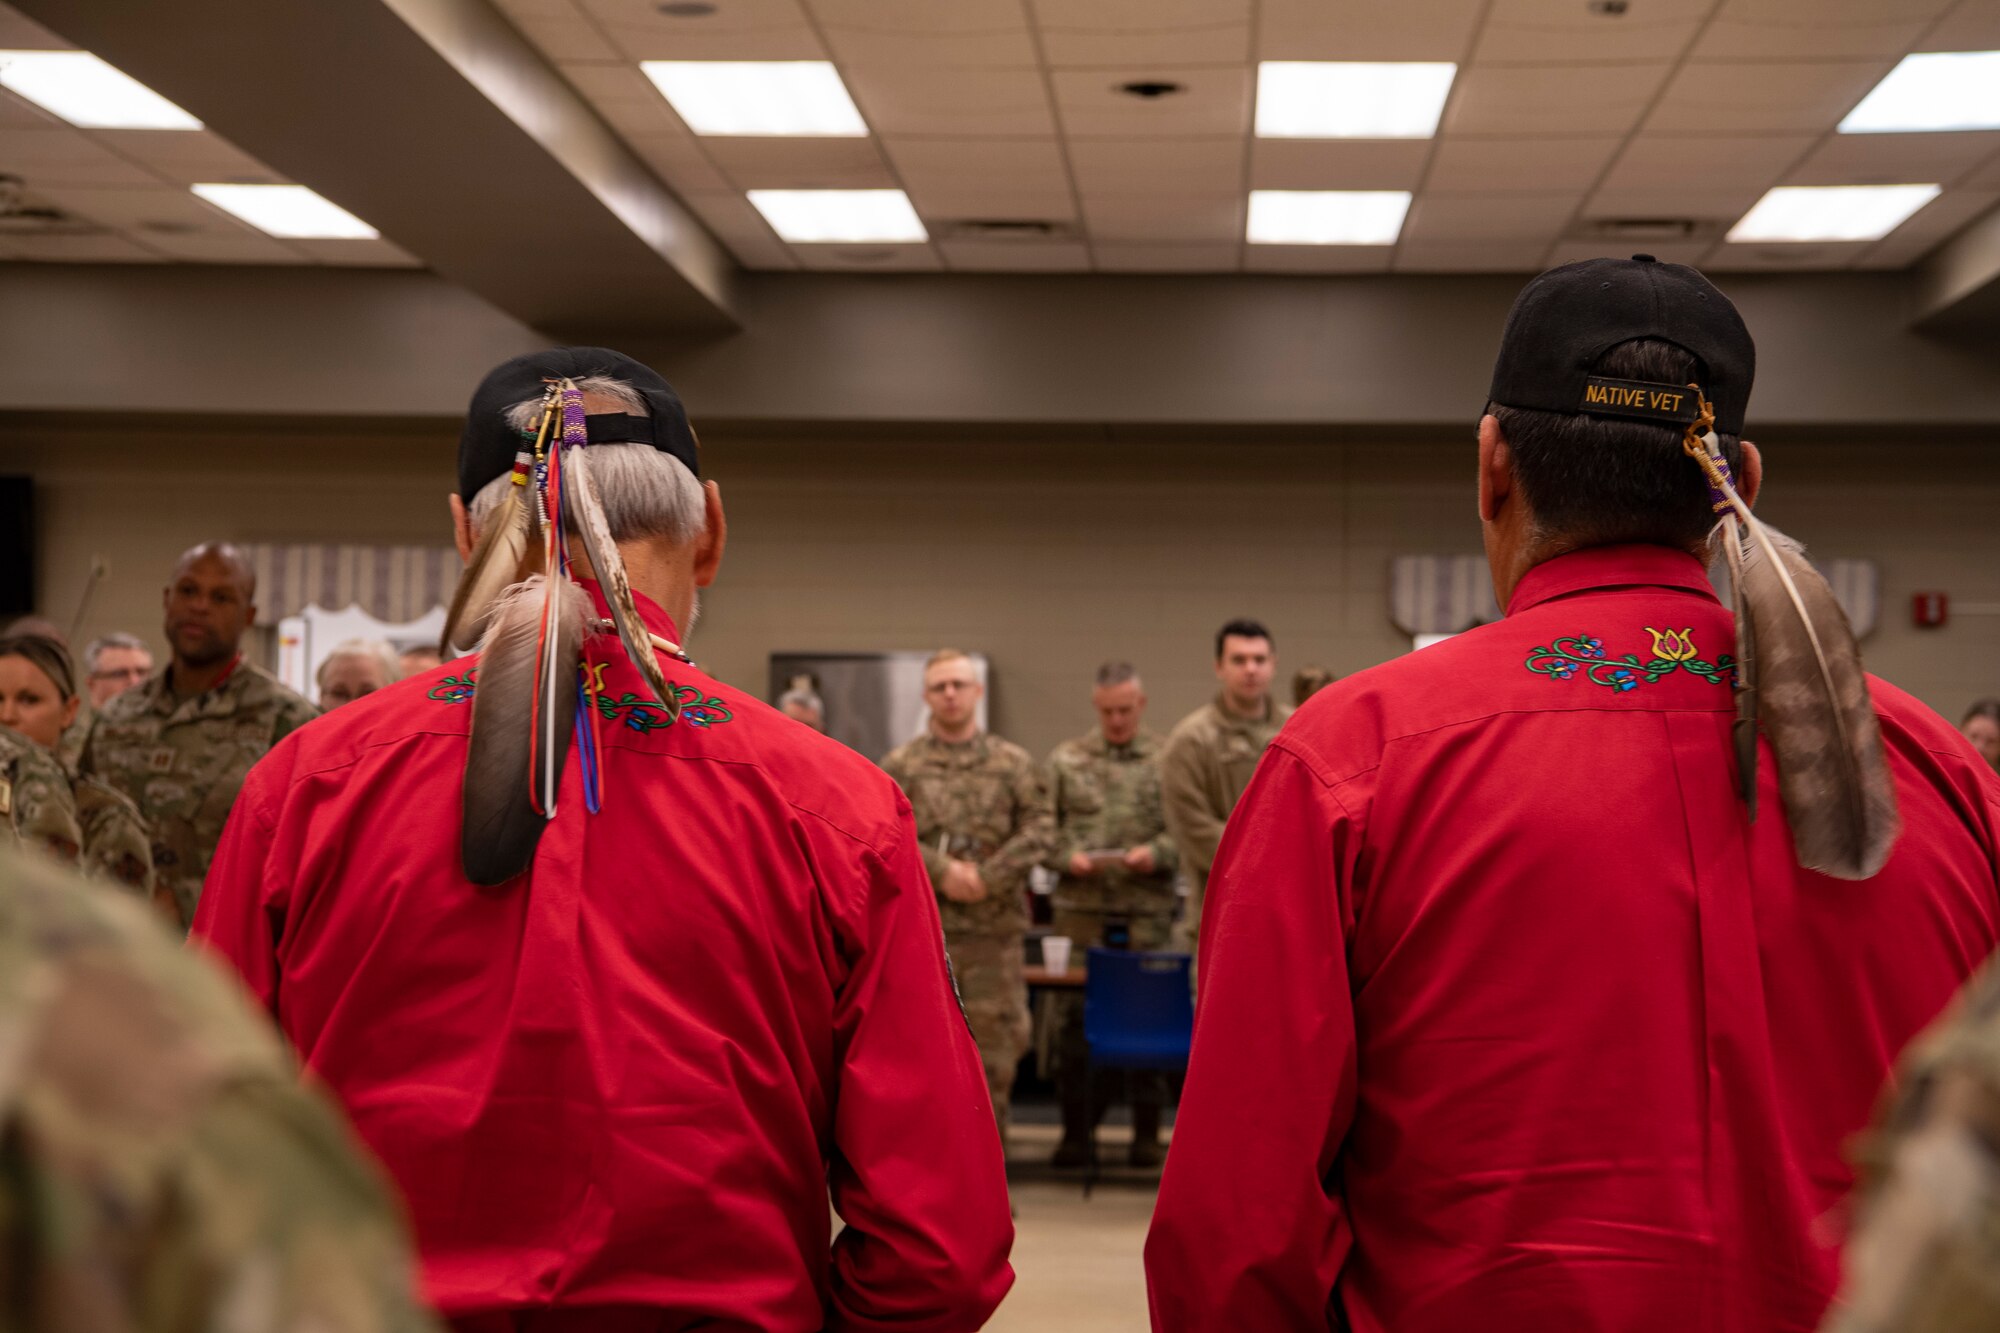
(85, 91)
(1325, 99)
(288, 210)
(758, 97)
(1831, 212)
(1327, 217)
(839, 216)
(1944, 90)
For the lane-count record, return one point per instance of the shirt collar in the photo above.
(1597, 567)
(650, 614)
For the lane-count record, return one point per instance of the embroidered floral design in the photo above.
(1673, 650)
(631, 710)
(454, 690)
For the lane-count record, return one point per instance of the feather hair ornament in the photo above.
(581, 501)
(498, 562)
(1806, 687)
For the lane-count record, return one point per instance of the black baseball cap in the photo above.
(487, 445)
(1567, 318)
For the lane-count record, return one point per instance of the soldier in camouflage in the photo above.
(1925, 1257)
(39, 700)
(180, 743)
(37, 810)
(161, 1168)
(1117, 865)
(1212, 752)
(983, 821)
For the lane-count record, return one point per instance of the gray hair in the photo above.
(804, 699)
(1117, 673)
(104, 644)
(382, 653)
(645, 493)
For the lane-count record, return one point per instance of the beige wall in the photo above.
(1050, 555)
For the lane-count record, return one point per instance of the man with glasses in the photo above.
(113, 664)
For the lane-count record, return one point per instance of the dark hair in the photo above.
(48, 655)
(1241, 629)
(1986, 708)
(1598, 481)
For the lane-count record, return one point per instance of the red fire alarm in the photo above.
(1930, 609)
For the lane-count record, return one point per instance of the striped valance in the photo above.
(391, 583)
(1440, 594)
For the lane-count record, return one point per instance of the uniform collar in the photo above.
(1231, 718)
(1096, 743)
(217, 700)
(1598, 567)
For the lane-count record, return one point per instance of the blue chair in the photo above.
(1138, 1014)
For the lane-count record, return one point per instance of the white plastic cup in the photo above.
(1055, 952)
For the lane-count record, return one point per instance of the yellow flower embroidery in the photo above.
(1673, 645)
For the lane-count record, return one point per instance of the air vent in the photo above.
(1021, 230)
(1648, 229)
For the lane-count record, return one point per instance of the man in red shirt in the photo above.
(618, 1086)
(1510, 1016)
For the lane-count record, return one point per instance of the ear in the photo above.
(715, 536)
(461, 528)
(69, 710)
(1751, 479)
(1496, 469)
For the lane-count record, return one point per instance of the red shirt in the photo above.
(1510, 1020)
(630, 1077)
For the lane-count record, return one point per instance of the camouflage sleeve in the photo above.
(117, 847)
(1195, 829)
(935, 862)
(36, 801)
(1925, 1257)
(291, 715)
(1034, 827)
(1166, 855)
(1065, 840)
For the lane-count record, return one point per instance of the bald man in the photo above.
(180, 742)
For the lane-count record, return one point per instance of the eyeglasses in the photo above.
(131, 673)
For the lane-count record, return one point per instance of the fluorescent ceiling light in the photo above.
(1945, 90)
(772, 97)
(820, 216)
(85, 91)
(1325, 99)
(288, 210)
(1327, 217)
(1831, 212)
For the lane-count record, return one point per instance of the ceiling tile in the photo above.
(1722, 207)
(185, 158)
(377, 253)
(1539, 218)
(18, 32)
(918, 100)
(1931, 226)
(107, 248)
(1015, 257)
(738, 30)
(1896, 159)
(1973, 26)
(1317, 258)
(869, 258)
(1157, 166)
(18, 113)
(1162, 218)
(66, 157)
(1337, 164)
(1118, 258)
(1815, 29)
(1552, 100)
(743, 229)
(1762, 258)
(1470, 256)
(1366, 29)
(1519, 164)
(678, 160)
(1777, 97)
(998, 48)
(801, 164)
(1569, 252)
(1540, 32)
(566, 38)
(1213, 101)
(984, 163)
(1706, 162)
(1096, 33)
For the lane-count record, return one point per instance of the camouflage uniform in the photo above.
(983, 801)
(1207, 762)
(1926, 1255)
(37, 808)
(1106, 798)
(182, 762)
(161, 1168)
(117, 847)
